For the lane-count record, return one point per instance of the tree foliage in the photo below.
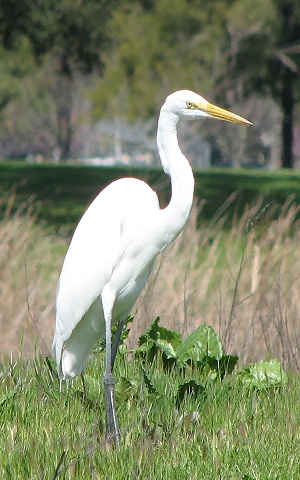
(144, 49)
(73, 31)
(158, 48)
(226, 49)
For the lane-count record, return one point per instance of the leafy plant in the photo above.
(264, 374)
(201, 347)
(198, 360)
(190, 365)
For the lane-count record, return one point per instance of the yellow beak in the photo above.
(221, 114)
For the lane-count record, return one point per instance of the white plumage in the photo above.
(106, 249)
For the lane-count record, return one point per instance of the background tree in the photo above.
(230, 50)
(75, 34)
(287, 66)
(239, 53)
(264, 57)
(159, 47)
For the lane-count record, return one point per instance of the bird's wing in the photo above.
(96, 248)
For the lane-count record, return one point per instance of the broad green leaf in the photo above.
(227, 364)
(190, 388)
(126, 329)
(158, 332)
(159, 339)
(146, 346)
(151, 333)
(166, 348)
(209, 371)
(148, 382)
(224, 366)
(264, 374)
(203, 342)
(169, 336)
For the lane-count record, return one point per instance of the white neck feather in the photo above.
(174, 163)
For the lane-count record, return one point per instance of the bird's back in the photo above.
(99, 247)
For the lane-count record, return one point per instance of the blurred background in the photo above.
(84, 79)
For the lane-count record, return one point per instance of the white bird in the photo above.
(115, 245)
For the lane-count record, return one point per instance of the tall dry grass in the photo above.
(30, 259)
(243, 280)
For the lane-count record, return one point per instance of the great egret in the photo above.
(114, 247)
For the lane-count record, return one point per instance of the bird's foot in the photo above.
(112, 428)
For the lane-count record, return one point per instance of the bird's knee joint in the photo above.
(109, 380)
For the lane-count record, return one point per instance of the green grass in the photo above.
(62, 192)
(233, 433)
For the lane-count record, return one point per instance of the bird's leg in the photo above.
(116, 341)
(112, 428)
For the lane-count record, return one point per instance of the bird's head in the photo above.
(185, 103)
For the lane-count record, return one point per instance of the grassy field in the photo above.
(62, 192)
(232, 432)
(243, 280)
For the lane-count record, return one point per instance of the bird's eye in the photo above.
(189, 104)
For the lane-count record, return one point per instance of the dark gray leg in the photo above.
(112, 428)
(116, 341)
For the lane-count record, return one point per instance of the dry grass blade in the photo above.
(30, 259)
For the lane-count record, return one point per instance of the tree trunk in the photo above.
(289, 35)
(288, 103)
(64, 107)
(64, 117)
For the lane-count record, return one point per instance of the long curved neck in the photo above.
(174, 163)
